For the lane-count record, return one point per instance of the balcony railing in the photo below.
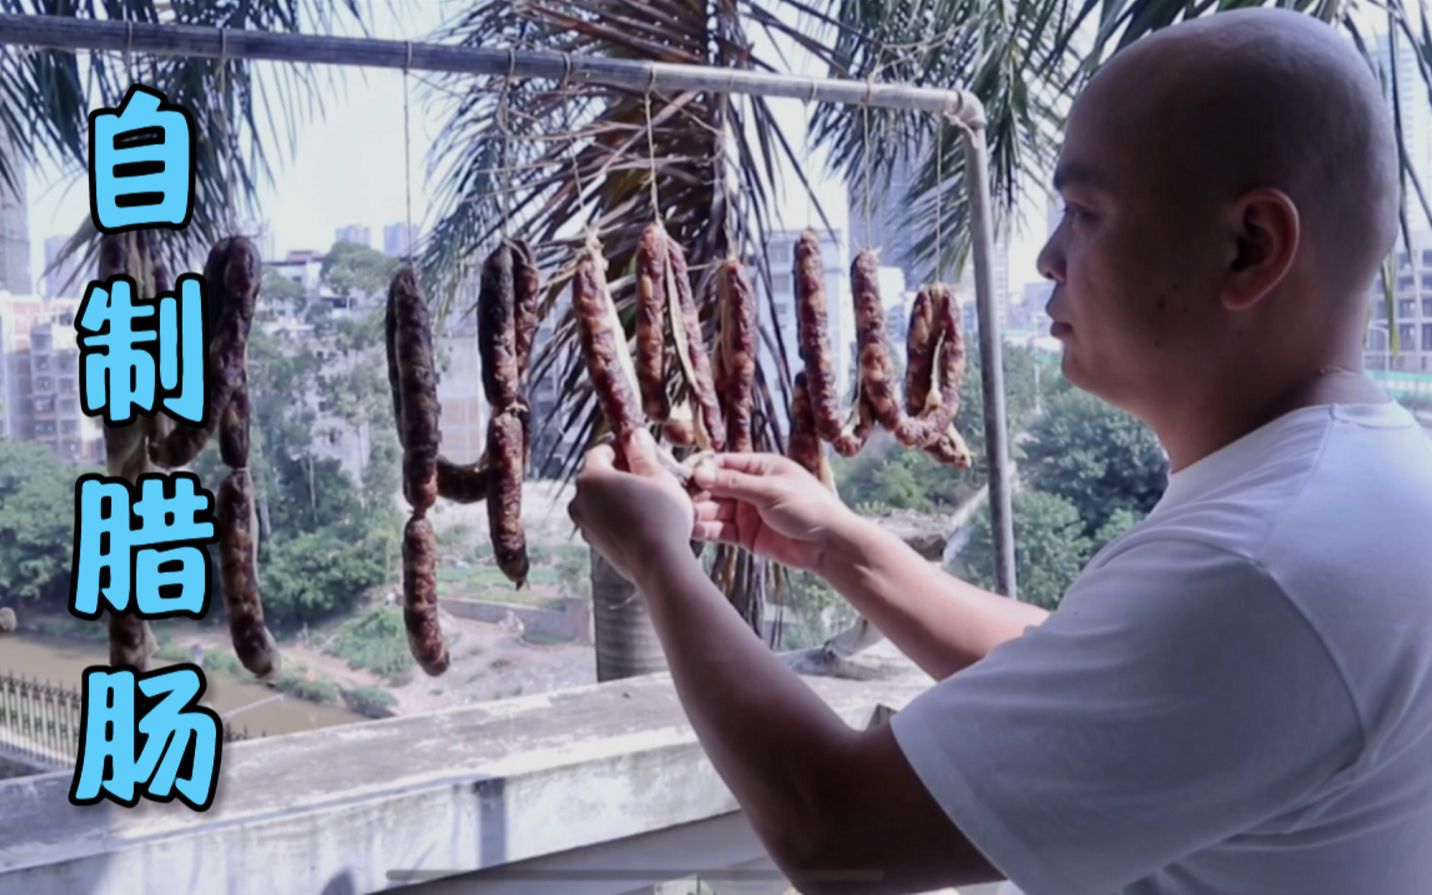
(603, 786)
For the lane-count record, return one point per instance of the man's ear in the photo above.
(1266, 233)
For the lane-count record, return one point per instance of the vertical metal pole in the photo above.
(991, 362)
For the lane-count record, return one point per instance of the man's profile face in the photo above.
(1131, 279)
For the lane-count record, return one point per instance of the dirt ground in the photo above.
(487, 662)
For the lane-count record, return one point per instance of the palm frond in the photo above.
(46, 96)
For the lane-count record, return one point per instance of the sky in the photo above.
(348, 164)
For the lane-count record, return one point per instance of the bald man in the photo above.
(1235, 696)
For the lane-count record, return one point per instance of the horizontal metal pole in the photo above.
(65, 33)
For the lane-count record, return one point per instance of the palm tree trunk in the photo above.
(626, 641)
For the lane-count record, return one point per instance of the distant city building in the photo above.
(14, 229)
(1415, 111)
(67, 279)
(303, 267)
(266, 243)
(397, 238)
(964, 287)
(897, 307)
(359, 233)
(1036, 297)
(890, 230)
(39, 378)
(460, 400)
(1412, 300)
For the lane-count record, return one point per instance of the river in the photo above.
(243, 704)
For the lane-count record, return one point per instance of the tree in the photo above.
(1050, 548)
(353, 270)
(575, 155)
(240, 121)
(1097, 457)
(37, 519)
(887, 474)
(326, 572)
(1120, 521)
(277, 288)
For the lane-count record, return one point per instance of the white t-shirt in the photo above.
(1235, 696)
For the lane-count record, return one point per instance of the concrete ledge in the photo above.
(573, 622)
(336, 810)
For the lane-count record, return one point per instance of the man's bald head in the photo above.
(1231, 189)
(1262, 98)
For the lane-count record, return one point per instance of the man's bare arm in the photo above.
(939, 621)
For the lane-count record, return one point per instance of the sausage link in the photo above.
(691, 347)
(736, 357)
(804, 447)
(604, 347)
(876, 371)
(231, 278)
(938, 412)
(496, 330)
(234, 430)
(238, 567)
(528, 284)
(813, 334)
(131, 641)
(920, 352)
(651, 299)
(390, 342)
(504, 501)
(417, 380)
(463, 484)
(420, 597)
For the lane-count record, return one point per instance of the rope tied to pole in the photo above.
(408, 152)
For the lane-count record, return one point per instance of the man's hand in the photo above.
(637, 516)
(769, 505)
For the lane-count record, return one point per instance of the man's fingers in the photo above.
(639, 451)
(753, 464)
(730, 483)
(723, 532)
(600, 459)
(715, 511)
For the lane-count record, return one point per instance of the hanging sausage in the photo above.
(413, 376)
(502, 350)
(935, 364)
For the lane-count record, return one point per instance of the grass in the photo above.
(488, 577)
(224, 662)
(73, 628)
(543, 639)
(375, 640)
(172, 652)
(375, 702)
(320, 688)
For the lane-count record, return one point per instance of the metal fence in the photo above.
(40, 720)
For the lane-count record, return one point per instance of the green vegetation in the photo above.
(888, 476)
(376, 640)
(1050, 548)
(375, 702)
(1097, 457)
(37, 518)
(316, 688)
(1093, 473)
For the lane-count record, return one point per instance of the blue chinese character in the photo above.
(162, 561)
(124, 338)
(119, 707)
(141, 163)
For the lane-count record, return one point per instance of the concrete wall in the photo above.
(373, 805)
(573, 623)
